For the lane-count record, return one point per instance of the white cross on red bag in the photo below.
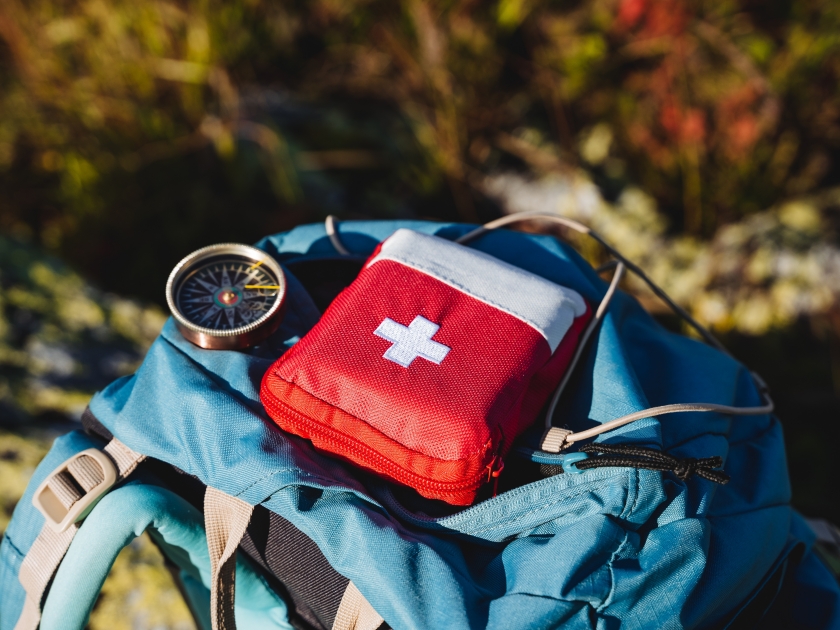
(412, 341)
(428, 365)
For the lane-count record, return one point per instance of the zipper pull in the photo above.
(494, 469)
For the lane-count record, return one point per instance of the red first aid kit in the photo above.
(427, 367)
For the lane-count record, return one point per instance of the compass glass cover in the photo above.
(227, 292)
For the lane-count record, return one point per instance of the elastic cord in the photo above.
(580, 227)
(599, 314)
(557, 438)
(330, 225)
(666, 409)
(633, 456)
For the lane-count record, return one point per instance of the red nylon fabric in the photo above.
(352, 439)
(427, 425)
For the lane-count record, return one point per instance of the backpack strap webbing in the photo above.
(355, 612)
(70, 491)
(225, 520)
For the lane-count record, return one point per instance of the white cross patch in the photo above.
(412, 341)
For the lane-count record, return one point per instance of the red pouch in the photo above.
(428, 365)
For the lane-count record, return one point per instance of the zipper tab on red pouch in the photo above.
(494, 469)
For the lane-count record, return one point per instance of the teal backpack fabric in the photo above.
(602, 548)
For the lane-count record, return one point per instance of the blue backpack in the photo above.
(190, 456)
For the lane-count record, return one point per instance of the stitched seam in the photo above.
(608, 600)
(14, 547)
(237, 395)
(284, 470)
(635, 490)
(482, 508)
(563, 498)
(636, 473)
(630, 496)
(532, 511)
(464, 290)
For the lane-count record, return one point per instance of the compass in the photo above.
(227, 296)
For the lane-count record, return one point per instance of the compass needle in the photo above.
(255, 274)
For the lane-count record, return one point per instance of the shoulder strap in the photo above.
(64, 498)
(225, 519)
(76, 486)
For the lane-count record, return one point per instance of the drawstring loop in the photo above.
(629, 455)
(555, 439)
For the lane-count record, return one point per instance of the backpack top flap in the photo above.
(639, 546)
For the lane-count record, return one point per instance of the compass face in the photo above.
(226, 296)
(227, 293)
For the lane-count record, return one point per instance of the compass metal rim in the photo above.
(246, 335)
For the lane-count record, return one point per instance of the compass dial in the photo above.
(227, 296)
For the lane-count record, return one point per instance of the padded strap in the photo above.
(355, 612)
(225, 520)
(68, 486)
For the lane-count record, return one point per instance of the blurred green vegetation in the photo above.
(149, 122)
(701, 138)
(61, 339)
